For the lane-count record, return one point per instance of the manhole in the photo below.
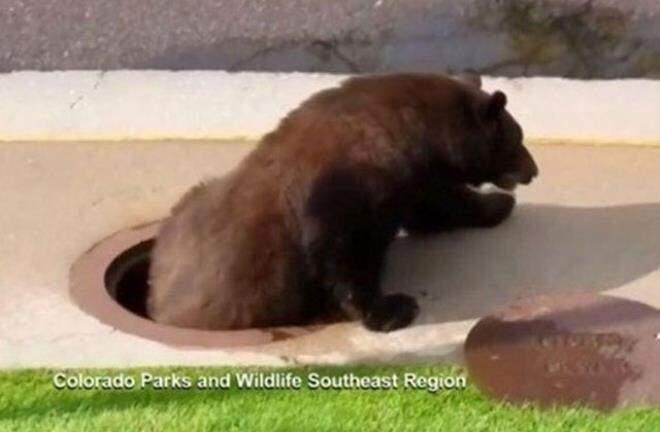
(109, 282)
(587, 349)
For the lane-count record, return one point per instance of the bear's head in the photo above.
(479, 139)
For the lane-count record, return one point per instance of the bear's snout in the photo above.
(527, 168)
(522, 170)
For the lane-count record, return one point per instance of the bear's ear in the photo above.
(470, 78)
(494, 106)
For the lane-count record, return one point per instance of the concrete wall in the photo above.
(152, 105)
(571, 38)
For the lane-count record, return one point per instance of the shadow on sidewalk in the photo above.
(542, 249)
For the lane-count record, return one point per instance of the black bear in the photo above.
(303, 224)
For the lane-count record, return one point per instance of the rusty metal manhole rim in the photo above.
(88, 291)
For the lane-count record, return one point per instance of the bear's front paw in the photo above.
(496, 207)
(391, 312)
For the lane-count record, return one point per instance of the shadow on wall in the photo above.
(542, 249)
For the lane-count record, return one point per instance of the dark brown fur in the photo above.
(302, 225)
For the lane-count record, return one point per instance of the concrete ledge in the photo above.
(154, 105)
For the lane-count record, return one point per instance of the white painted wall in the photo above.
(44, 106)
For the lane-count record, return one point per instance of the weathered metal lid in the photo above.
(585, 349)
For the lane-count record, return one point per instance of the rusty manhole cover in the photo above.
(109, 281)
(588, 349)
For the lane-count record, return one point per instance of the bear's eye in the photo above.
(509, 132)
(516, 133)
(500, 133)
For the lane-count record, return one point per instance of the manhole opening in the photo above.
(110, 282)
(127, 277)
(127, 281)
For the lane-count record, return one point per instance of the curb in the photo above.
(157, 105)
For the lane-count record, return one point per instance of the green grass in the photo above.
(30, 402)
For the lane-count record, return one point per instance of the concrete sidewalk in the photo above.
(590, 222)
